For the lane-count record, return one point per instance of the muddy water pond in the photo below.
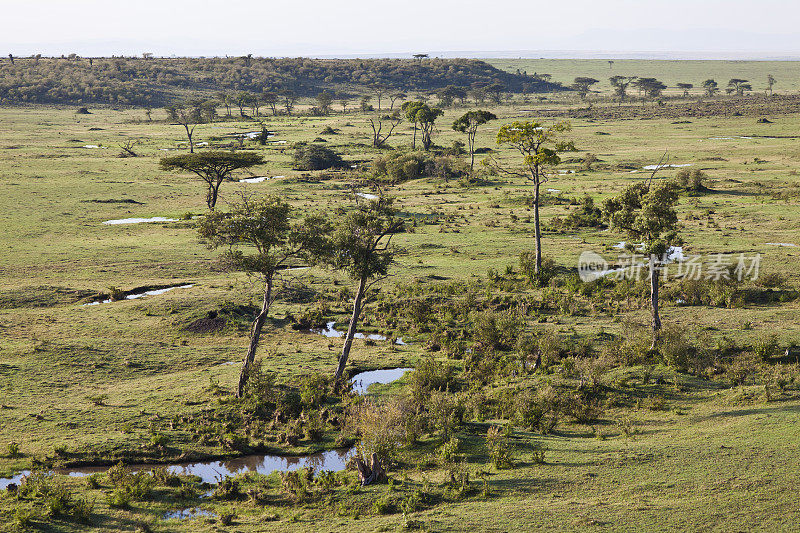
(214, 471)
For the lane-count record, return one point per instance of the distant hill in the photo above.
(157, 81)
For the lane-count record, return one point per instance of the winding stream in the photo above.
(214, 471)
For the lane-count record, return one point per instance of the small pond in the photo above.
(138, 220)
(214, 471)
(137, 295)
(330, 331)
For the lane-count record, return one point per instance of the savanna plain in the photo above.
(533, 400)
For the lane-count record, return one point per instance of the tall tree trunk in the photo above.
(654, 299)
(255, 335)
(351, 329)
(537, 228)
(213, 193)
(189, 134)
(414, 139)
(471, 141)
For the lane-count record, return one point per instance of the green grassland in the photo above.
(670, 72)
(715, 457)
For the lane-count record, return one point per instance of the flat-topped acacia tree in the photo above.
(539, 146)
(213, 167)
(360, 245)
(260, 238)
(646, 213)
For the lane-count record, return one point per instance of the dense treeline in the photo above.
(133, 81)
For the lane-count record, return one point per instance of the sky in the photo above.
(321, 28)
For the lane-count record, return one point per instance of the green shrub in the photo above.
(116, 293)
(315, 157)
(158, 439)
(586, 216)
(119, 499)
(227, 489)
(314, 427)
(743, 368)
(675, 348)
(448, 167)
(496, 329)
(445, 413)
(429, 375)
(448, 451)
(165, 478)
(128, 484)
(260, 388)
(226, 517)
(527, 264)
(538, 409)
(499, 448)
(24, 518)
(298, 484)
(12, 450)
(765, 346)
(82, 509)
(692, 180)
(583, 407)
(383, 504)
(313, 390)
(381, 427)
(58, 500)
(397, 167)
(93, 481)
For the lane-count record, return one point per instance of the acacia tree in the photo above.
(647, 214)
(468, 123)
(620, 84)
(495, 92)
(539, 147)
(379, 89)
(271, 100)
(324, 102)
(361, 246)
(651, 87)
(395, 96)
(260, 239)
(686, 87)
(242, 99)
(410, 109)
(212, 167)
(191, 113)
(739, 86)
(583, 85)
(225, 100)
(379, 136)
(344, 101)
(255, 104)
(711, 87)
(289, 99)
(771, 81)
(448, 95)
(420, 113)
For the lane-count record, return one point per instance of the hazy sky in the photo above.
(318, 27)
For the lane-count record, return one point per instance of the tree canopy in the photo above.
(213, 167)
(260, 238)
(468, 123)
